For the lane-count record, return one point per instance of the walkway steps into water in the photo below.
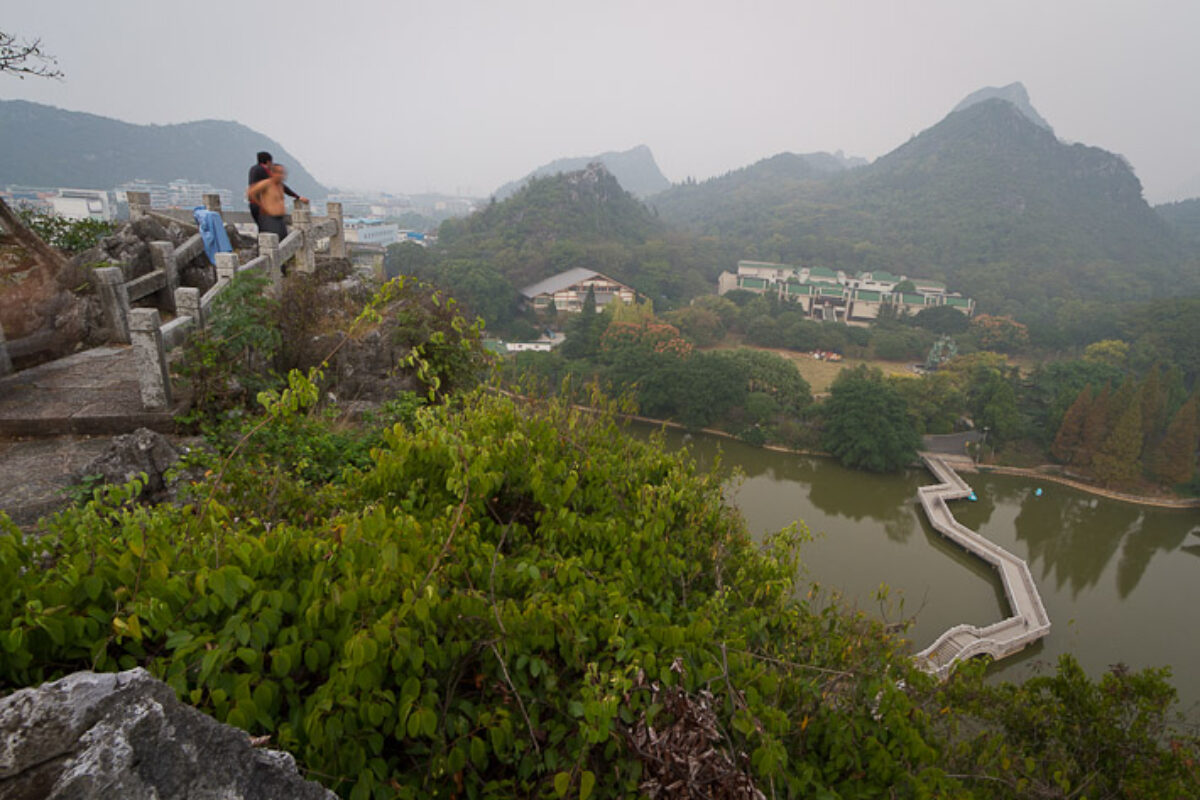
(1028, 621)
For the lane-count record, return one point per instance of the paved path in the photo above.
(91, 392)
(35, 473)
(949, 443)
(1028, 620)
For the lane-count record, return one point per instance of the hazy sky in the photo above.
(460, 96)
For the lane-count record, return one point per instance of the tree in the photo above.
(1001, 334)
(697, 390)
(1070, 434)
(943, 320)
(905, 287)
(1152, 396)
(866, 422)
(1118, 463)
(773, 375)
(1174, 460)
(25, 58)
(1112, 352)
(584, 330)
(1095, 426)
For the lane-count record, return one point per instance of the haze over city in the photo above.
(463, 96)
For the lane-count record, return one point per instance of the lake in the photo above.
(1120, 582)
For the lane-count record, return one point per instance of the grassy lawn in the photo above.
(820, 374)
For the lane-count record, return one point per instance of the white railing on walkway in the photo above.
(1028, 621)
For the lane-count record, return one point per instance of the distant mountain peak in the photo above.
(1014, 93)
(635, 169)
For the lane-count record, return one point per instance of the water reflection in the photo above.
(1074, 537)
(1140, 548)
(1108, 572)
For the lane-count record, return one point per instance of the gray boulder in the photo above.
(125, 735)
(127, 455)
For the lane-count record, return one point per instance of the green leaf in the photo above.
(93, 585)
(587, 782)
(562, 782)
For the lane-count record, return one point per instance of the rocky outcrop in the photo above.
(127, 455)
(48, 310)
(125, 735)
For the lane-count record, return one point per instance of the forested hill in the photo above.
(577, 219)
(986, 199)
(635, 169)
(736, 201)
(1184, 219)
(47, 146)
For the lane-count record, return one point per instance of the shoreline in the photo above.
(1169, 503)
(1172, 503)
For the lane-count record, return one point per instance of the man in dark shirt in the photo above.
(260, 172)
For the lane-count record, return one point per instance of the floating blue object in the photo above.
(1037, 492)
(972, 497)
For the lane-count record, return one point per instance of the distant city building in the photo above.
(370, 231)
(84, 204)
(836, 296)
(179, 193)
(185, 194)
(568, 290)
(160, 195)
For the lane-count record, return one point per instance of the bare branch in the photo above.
(25, 58)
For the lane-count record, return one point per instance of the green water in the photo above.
(1121, 582)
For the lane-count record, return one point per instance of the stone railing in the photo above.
(152, 339)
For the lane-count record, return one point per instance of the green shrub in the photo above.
(478, 617)
(69, 235)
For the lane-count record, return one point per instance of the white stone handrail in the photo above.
(142, 327)
(1028, 620)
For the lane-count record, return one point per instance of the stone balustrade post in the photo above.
(6, 366)
(162, 254)
(268, 246)
(150, 359)
(187, 303)
(306, 261)
(227, 267)
(114, 300)
(139, 205)
(212, 202)
(337, 242)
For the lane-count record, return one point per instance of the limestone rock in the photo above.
(127, 455)
(125, 735)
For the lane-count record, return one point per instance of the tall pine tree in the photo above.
(1070, 432)
(1095, 429)
(1152, 396)
(1174, 461)
(1119, 461)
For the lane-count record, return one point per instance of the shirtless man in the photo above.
(268, 195)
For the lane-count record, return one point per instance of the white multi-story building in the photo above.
(830, 295)
(370, 231)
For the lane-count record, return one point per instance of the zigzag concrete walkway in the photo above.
(1028, 621)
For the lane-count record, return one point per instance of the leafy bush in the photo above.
(229, 362)
(506, 599)
(484, 616)
(70, 235)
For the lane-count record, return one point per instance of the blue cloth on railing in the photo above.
(212, 231)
